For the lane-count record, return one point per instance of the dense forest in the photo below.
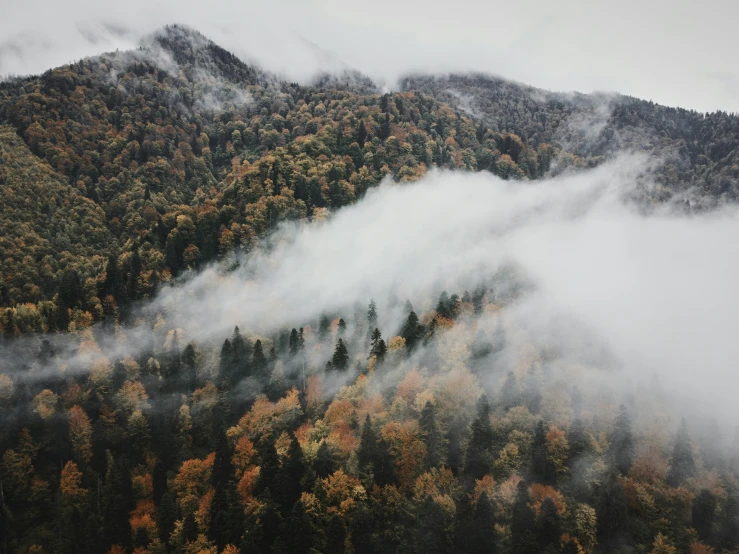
(452, 429)
(330, 438)
(698, 153)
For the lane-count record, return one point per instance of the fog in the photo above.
(669, 52)
(658, 289)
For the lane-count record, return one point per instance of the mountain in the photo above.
(493, 420)
(699, 153)
(190, 153)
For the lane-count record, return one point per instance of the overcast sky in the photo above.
(672, 52)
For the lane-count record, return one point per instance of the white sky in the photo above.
(676, 53)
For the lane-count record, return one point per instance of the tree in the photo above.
(259, 362)
(682, 464)
(412, 331)
(432, 437)
(378, 349)
(434, 529)
(621, 447)
(324, 464)
(478, 455)
(523, 540)
(549, 525)
(340, 359)
(373, 455)
(704, 514)
(294, 343)
(289, 479)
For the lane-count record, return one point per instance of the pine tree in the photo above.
(324, 325)
(294, 343)
(259, 361)
(542, 470)
(434, 528)
(682, 464)
(412, 331)
(523, 540)
(549, 525)
(324, 464)
(225, 365)
(612, 512)
(361, 134)
(240, 354)
(189, 365)
(340, 359)
(432, 437)
(379, 349)
(621, 448)
(478, 456)
(481, 539)
(372, 315)
(704, 514)
(290, 477)
(335, 535)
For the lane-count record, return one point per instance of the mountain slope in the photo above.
(190, 153)
(700, 152)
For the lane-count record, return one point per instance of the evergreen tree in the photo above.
(374, 456)
(240, 355)
(432, 437)
(478, 456)
(298, 530)
(612, 512)
(549, 525)
(340, 359)
(335, 535)
(225, 366)
(259, 362)
(189, 366)
(434, 529)
(294, 343)
(379, 349)
(542, 470)
(372, 315)
(412, 331)
(481, 538)
(682, 464)
(324, 464)
(621, 448)
(190, 529)
(704, 514)
(290, 477)
(523, 540)
(324, 325)
(361, 134)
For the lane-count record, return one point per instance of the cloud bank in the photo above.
(658, 289)
(670, 52)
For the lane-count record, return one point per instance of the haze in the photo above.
(669, 52)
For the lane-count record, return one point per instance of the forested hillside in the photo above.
(431, 446)
(452, 424)
(186, 154)
(699, 153)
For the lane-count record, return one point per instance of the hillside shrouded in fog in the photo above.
(239, 314)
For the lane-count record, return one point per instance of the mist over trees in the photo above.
(446, 424)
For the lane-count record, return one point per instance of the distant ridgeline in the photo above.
(135, 166)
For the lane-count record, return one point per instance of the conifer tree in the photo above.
(523, 540)
(432, 437)
(621, 448)
(259, 361)
(478, 456)
(379, 349)
(412, 331)
(340, 359)
(682, 464)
